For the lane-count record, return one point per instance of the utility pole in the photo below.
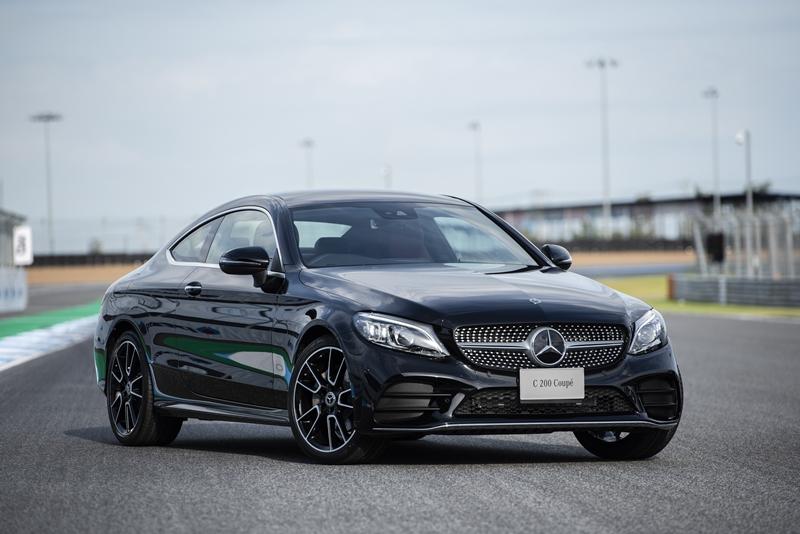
(602, 64)
(307, 145)
(386, 172)
(46, 118)
(475, 126)
(743, 139)
(712, 95)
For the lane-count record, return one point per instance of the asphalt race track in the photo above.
(43, 298)
(733, 464)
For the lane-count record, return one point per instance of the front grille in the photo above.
(517, 333)
(495, 352)
(591, 358)
(505, 402)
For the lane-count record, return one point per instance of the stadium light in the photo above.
(46, 118)
(743, 139)
(307, 145)
(712, 95)
(602, 64)
(475, 126)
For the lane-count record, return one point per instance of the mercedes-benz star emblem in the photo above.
(546, 346)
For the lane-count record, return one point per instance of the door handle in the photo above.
(193, 289)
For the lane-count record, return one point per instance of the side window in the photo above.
(194, 247)
(243, 229)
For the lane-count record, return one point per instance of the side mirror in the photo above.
(558, 255)
(245, 260)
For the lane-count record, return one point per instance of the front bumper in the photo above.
(400, 393)
(527, 427)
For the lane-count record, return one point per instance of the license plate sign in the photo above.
(544, 385)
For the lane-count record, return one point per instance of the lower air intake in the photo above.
(408, 401)
(505, 402)
(659, 396)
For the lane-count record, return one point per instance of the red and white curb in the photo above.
(26, 346)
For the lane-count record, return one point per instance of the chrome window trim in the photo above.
(172, 261)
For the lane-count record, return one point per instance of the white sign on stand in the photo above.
(23, 245)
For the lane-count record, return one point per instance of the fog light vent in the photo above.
(409, 400)
(659, 396)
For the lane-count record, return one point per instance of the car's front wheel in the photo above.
(321, 407)
(634, 445)
(129, 398)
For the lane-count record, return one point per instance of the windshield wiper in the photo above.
(521, 269)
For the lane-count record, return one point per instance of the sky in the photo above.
(171, 108)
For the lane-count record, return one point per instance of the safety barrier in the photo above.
(735, 290)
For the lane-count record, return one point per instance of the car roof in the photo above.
(309, 198)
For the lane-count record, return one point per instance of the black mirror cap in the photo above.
(245, 260)
(558, 255)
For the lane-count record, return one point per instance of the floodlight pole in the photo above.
(602, 64)
(712, 95)
(307, 144)
(743, 138)
(46, 118)
(475, 126)
(386, 172)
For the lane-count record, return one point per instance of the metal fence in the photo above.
(745, 257)
(763, 245)
(732, 290)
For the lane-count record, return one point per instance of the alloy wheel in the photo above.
(323, 401)
(125, 388)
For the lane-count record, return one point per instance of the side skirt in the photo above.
(218, 412)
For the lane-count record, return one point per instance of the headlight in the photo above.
(399, 334)
(649, 333)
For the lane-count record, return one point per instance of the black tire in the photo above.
(306, 408)
(636, 445)
(128, 387)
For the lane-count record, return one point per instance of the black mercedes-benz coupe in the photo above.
(359, 317)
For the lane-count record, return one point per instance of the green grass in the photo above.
(653, 290)
(24, 323)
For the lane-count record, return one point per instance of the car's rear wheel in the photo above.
(634, 445)
(129, 398)
(321, 407)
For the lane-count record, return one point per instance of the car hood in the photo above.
(453, 295)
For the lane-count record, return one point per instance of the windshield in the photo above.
(385, 233)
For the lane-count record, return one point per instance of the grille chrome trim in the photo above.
(570, 345)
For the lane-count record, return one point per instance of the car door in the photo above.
(232, 358)
(159, 306)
